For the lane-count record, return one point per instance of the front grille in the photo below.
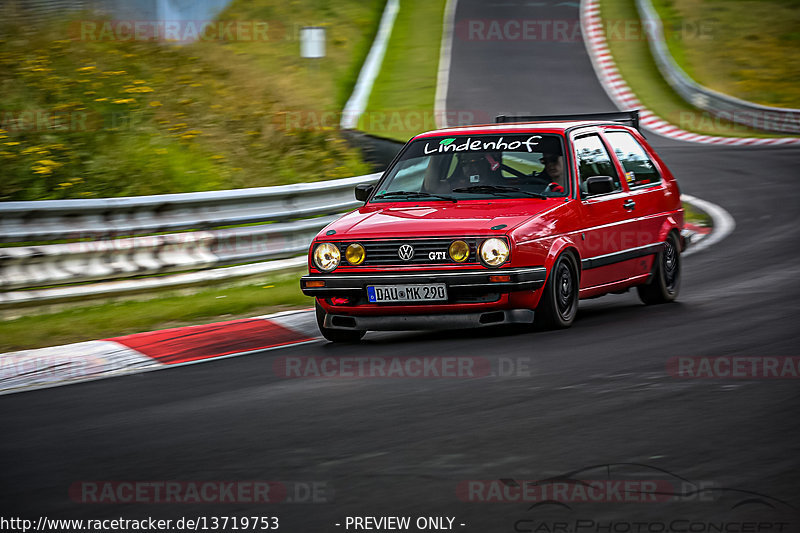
(386, 252)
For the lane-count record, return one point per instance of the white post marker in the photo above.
(312, 42)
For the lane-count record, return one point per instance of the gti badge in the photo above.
(406, 252)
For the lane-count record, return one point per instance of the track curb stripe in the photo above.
(143, 352)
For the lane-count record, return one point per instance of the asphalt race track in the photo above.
(596, 394)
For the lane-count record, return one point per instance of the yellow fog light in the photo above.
(327, 257)
(459, 251)
(355, 254)
(494, 252)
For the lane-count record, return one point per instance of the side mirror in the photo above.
(363, 190)
(599, 185)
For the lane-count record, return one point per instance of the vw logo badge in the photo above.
(406, 252)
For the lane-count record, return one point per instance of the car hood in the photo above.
(439, 219)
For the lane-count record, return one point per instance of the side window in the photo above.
(594, 160)
(639, 169)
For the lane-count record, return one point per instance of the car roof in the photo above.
(557, 127)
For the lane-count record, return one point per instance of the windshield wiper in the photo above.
(498, 189)
(414, 194)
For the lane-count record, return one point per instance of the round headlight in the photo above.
(494, 252)
(327, 257)
(459, 251)
(355, 254)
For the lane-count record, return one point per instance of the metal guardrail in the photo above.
(718, 104)
(113, 238)
(112, 217)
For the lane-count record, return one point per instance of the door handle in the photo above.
(629, 204)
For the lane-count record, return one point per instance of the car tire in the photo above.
(335, 335)
(559, 303)
(665, 283)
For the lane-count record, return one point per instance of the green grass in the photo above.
(749, 49)
(86, 118)
(694, 216)
(637, 67)
(167, 310)
(402, 100)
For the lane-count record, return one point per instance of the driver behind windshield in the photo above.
(553, 171)
(475, 169)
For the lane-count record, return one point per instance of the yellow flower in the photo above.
(14, 143)
(86, 69)
(155, 103)
(160, 151)
(65, 184)
(138, 90)
(139, 82)
(123, 101)
(101, 99)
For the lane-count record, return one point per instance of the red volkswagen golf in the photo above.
(510, 223)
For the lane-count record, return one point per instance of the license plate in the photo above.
(434, 292)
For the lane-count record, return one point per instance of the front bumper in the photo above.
(459, 282)
(429, 322)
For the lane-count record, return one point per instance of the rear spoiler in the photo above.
(626, 117)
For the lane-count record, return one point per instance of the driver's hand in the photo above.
(555, 187)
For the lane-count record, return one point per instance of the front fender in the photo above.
(559, 246)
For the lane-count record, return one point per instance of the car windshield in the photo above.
(477, 167)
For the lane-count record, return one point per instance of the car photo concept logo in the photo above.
(406, 252)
